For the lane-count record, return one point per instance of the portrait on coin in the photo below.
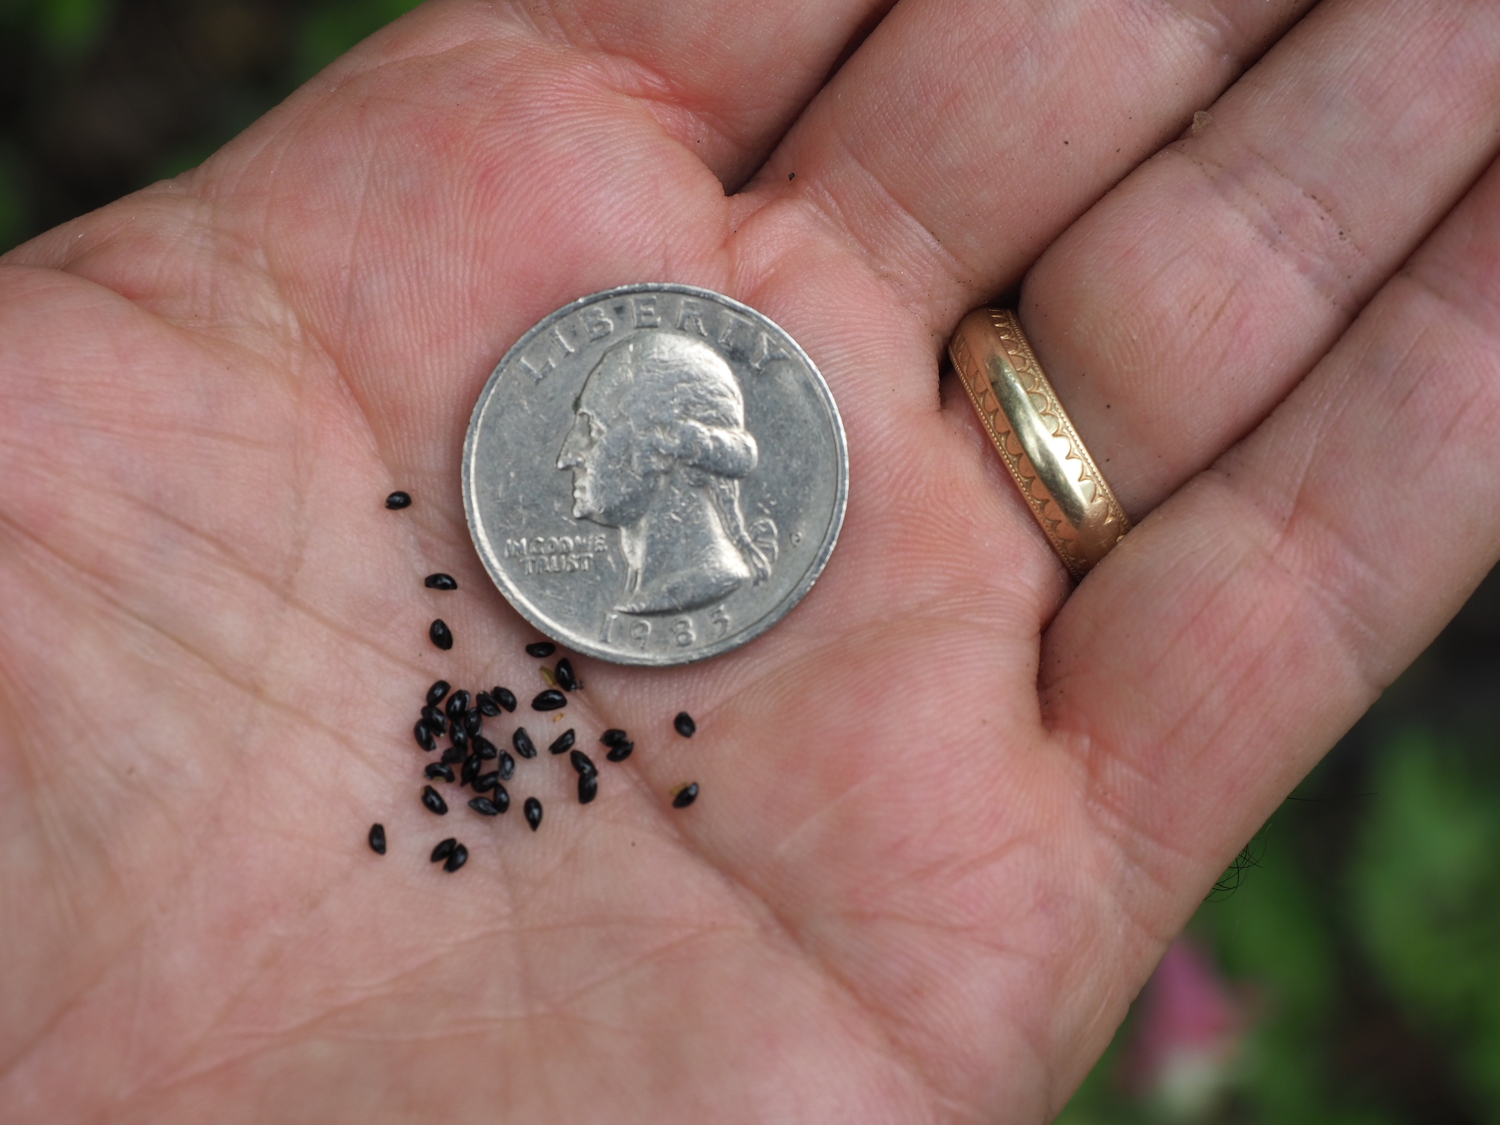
(658, 448)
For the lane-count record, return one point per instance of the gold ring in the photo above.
(1035, 438)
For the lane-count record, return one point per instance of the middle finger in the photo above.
(1185, 305)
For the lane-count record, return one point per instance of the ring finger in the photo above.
(1187, 302)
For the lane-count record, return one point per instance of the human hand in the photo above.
(950, 814)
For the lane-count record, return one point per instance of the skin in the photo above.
(950, 812)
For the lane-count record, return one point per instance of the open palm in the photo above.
(949, 815)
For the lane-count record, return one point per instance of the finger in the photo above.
(1193, 297)
(1243, 627)
(955, 145)
(724, 78)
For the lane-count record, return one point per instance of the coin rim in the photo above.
(734, 640)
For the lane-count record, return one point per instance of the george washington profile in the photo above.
(658, 447)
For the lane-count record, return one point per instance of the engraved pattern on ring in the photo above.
(1061, 529)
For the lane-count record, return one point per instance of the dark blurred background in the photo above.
(1347, 969)
(99, 97)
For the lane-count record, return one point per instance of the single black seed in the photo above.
(440, 582)
(440, 634)
(612, 737)
(377, 839)
(563, 742)
(523, 744)
(453, 754)
(486, 781)
(443, 850)
(459, 857)
(684, 724)
(434, 800)
(565, 677)
(398, 500)
(501, 798)
(685, 796)
(459, 737)
(487, 705)
(504, 697)
(620, 751)
(541, 649)
(436, 692)
(437, 770)
(423, 734)
(483, 806)
(533, 811)
(507, 766)
(483, 747)
(549, 700)
(588, 787)
(473, 721)
(457, 704)
(470, 770)
(581, 762)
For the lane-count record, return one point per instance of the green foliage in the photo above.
(15, 199)
(1425, 884)
(1271, 933)
(64, 28)
(1370, 971)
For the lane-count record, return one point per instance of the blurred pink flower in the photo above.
(1185, 1035)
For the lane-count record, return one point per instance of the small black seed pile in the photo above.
(460, 717)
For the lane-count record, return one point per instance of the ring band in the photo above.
(1035, 438)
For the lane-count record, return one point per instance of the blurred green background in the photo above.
(99, 97)
(1350, 963)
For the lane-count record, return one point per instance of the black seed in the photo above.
(473, 721)
(434, 800)
(484, 806)
(565, 677)
(507, 766)
(486, 704)
(581, 762)
(470, 770)
(486, 781)
(533, 811)
(377, 839)
(541, 649)
(685, 796)
(459, 857)
(562, 742)
(436, 692)
(612, 737)
(504, 697)
(398, 500)
(620, 751)
(453, 754)
(437, 770)
(434, 720)
(443, 850)
(588, 787)
(440, 634)
(459, 737)
(684, 724)
(423, 734)
(501, 798)
(440, 582)
(522, 742)
(483, 747)
(549, 700)
(457, 704)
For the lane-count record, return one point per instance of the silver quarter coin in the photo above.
(655, 474)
